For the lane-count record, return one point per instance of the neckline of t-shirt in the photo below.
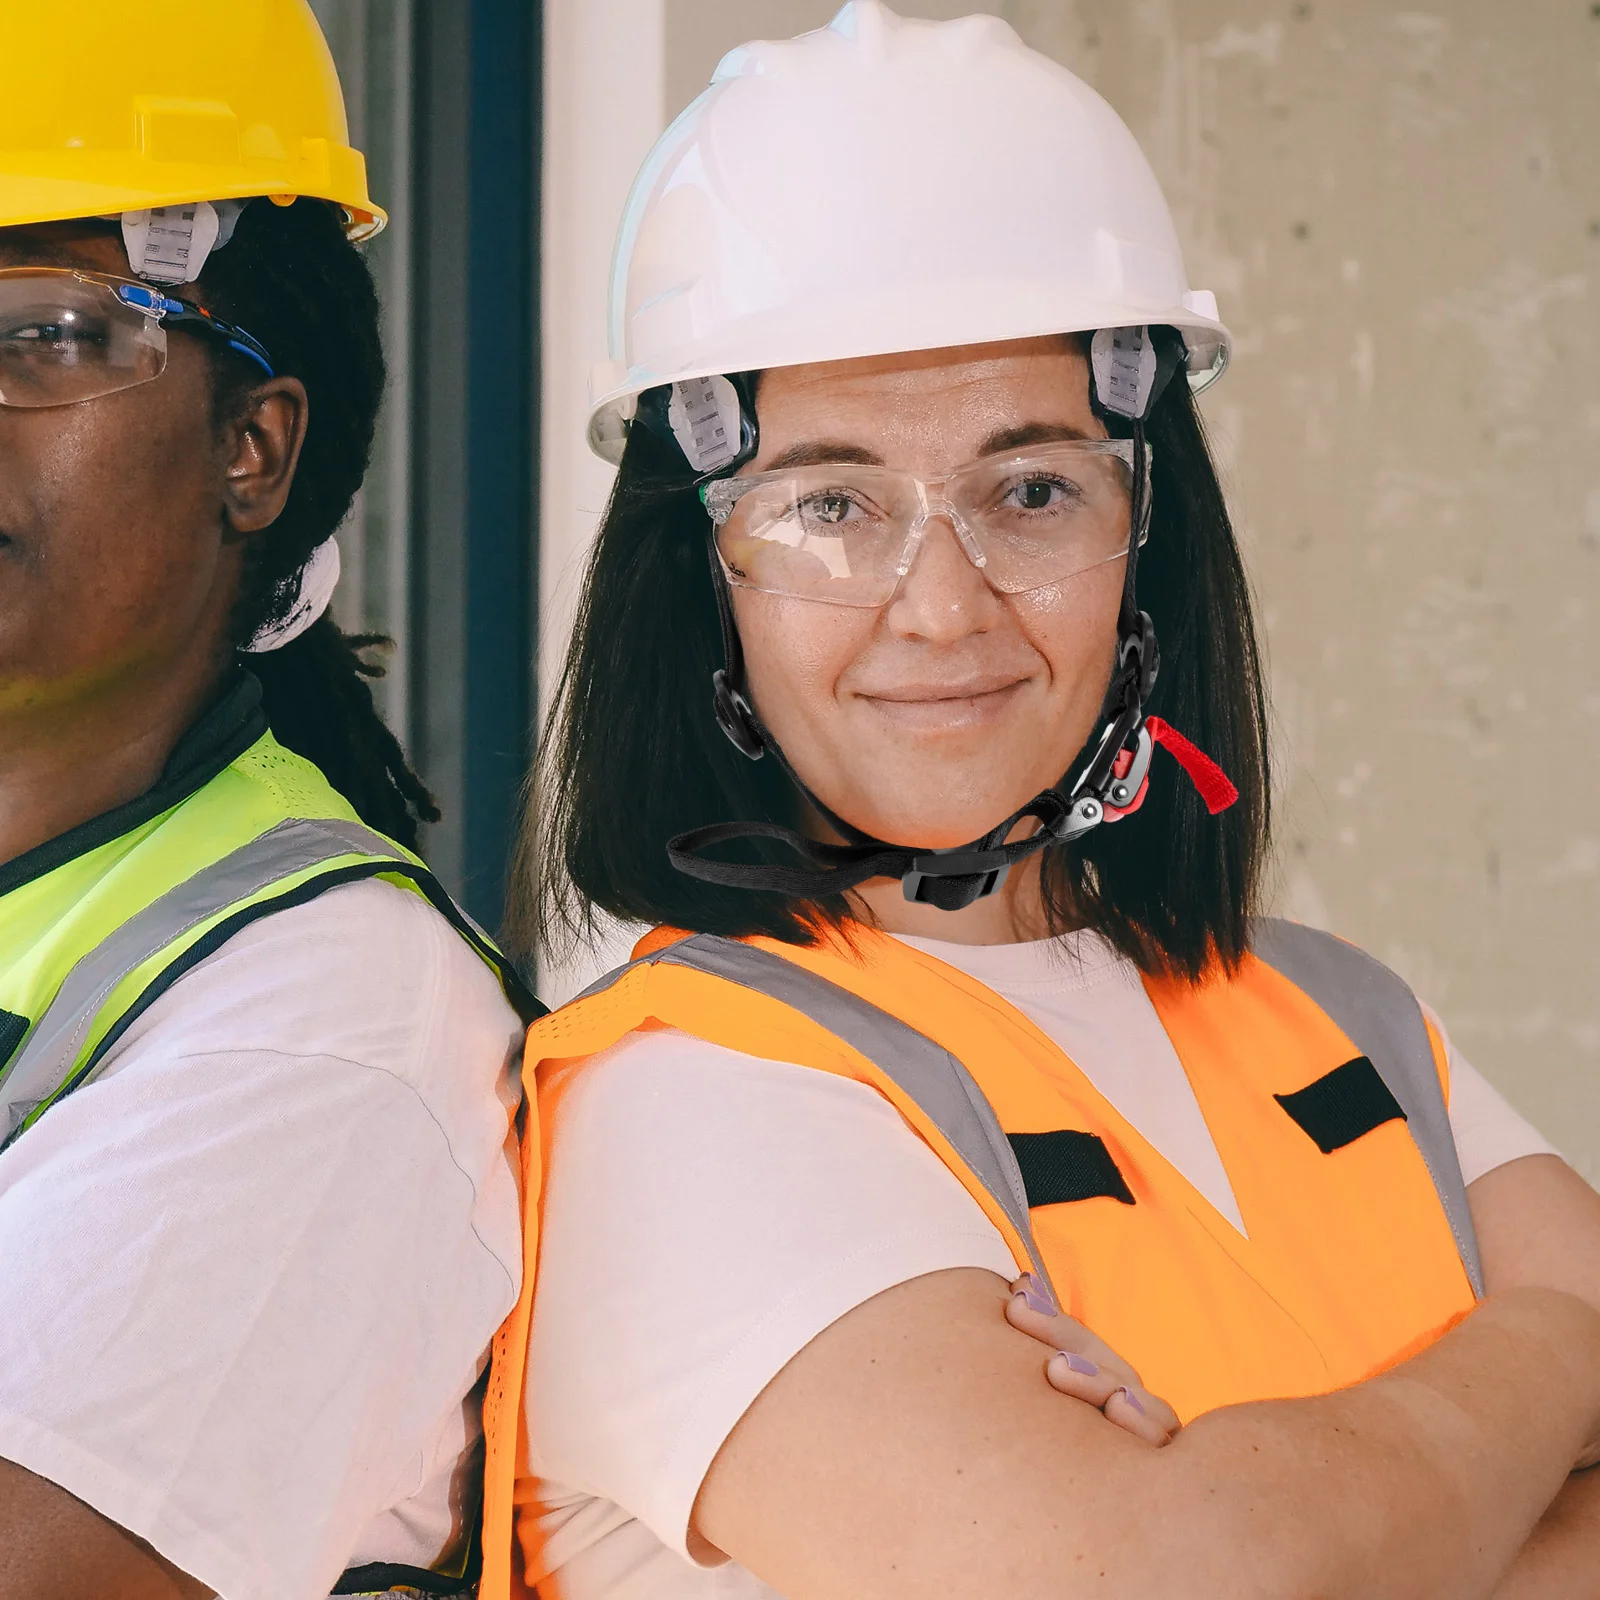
(1071, 962)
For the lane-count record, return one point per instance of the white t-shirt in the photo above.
(248, 1277)
(708, 1213)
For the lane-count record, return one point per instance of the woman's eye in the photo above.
(827, 508)
(1042, 494)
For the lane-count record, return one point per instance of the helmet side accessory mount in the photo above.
(711, 421)
(1129, 370)
(171, 244)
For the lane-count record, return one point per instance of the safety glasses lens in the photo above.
(64, 339)
(823, 533)
(1040, 519)
(848, 534)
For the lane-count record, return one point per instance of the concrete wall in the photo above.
(1399, 211)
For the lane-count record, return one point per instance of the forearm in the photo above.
(908, 1450)
(1538, 1222)
(1428, 1480)
(1561, 1560)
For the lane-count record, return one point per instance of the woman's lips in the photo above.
(934, 707)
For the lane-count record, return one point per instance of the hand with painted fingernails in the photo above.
(1087, 1368)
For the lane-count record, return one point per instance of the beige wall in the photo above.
(1399, 210)
(604, 105)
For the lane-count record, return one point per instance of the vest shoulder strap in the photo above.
(928, 1073)
(1383, 1019)
(305, 856)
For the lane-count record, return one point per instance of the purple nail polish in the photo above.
(1038, 1297)
(1078, 1363)
(1132, 1399)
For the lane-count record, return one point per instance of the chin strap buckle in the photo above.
(1129, 783)
(1130, 776)
(949, 891)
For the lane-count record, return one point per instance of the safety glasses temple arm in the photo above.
(183, 313)
(246, 344)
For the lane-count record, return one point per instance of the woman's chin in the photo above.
(900, 820)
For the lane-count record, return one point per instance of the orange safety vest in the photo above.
(1320, 1079)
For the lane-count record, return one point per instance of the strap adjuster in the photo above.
(735, 717)
(950, 891)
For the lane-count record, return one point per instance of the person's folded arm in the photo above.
(1561, 1560)
(911, 1449)
(1538, 1223)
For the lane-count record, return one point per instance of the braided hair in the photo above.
(293, 280)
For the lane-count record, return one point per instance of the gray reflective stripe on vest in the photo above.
(47, 1059)
(1384, 1022)
(930, 1076)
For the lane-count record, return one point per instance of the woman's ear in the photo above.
(262, 449)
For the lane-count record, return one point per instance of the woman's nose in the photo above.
(944, 596)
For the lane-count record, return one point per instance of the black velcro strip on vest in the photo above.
(1338, 1108)
(1067, 1165)
(13, 1030)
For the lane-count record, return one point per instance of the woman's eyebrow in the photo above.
(835, 452)
(822, 452)
(1031, 433)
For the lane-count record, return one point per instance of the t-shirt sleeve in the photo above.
(706, 1215)
(248, 1276)
(1488, 1130)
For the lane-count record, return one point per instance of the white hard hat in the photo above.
(881, 185)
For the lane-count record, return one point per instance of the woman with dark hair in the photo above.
(257, 1217)
(954, 975)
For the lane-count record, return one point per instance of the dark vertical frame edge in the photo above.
(478, 96)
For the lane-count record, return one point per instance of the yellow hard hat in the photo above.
(110, 108)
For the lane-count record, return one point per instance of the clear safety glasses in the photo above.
(67, 336)
(848, 534)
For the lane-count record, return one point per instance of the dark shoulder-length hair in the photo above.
(632, 755)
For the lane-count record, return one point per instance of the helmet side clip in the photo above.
(171, 244)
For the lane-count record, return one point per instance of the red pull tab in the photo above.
(1211, 783)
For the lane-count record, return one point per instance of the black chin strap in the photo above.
(949, 879)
